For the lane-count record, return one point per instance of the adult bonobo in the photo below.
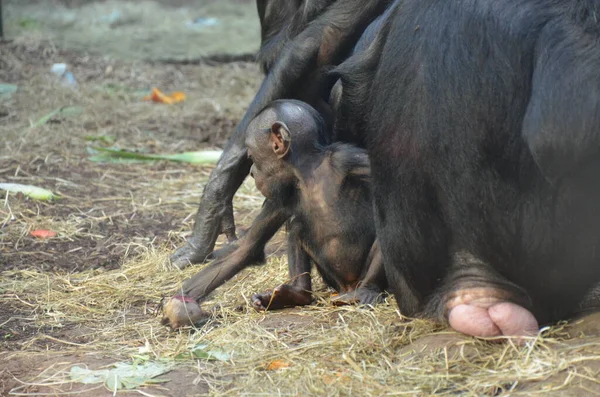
(325, 191)
(482, 122)
(300, 41)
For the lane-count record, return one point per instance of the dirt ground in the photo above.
(90, 295)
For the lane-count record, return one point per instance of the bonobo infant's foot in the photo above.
(180, 311)
(479, 312)
(283, 296)
(360, 296)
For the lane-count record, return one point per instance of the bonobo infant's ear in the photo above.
(280, 139)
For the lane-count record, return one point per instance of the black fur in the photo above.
(482, 122)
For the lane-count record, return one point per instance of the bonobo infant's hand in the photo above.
(180, 311)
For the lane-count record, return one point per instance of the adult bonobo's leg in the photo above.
(488, 142)
(325, 41)
(438, 151)
(298, 291)
(280, 22)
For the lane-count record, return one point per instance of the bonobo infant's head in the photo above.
(281, 138)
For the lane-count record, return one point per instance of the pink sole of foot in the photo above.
(500, 319)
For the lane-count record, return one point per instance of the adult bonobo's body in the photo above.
(482, 122)
(301, 39)
(325, 192)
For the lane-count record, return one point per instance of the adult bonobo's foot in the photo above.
(224, 251)
(186, 255)
(199, 247)
(360, 296)
(190, 255)
(181, 311)
(283, 296)
(479, 312)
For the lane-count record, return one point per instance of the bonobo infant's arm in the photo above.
(183, 309)
(249, 252)
(323, 42)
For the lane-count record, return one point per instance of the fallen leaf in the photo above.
(277, 364)
(63, 111)
(177, 96)
(202, 351)
(123, 375)
(42, 233)
(31, 191)
(119, 155)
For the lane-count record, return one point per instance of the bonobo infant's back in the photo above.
(324, 192)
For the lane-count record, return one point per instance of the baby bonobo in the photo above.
(324, 191)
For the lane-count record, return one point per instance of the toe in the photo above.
(473, 321)
(513, 320)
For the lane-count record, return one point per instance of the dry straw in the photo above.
(325, 350)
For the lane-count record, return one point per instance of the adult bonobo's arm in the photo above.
(562, 123)
(250, 251)
(323, 42)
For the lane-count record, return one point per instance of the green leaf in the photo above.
(46, 118)
(112, 383)
(123, 375)
(106, 158)
(201, 351)
(88, 376)
(64, 111)
(34, 192)
(200, 157)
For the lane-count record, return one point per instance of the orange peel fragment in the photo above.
(277, 364)
(42, 233)
(158, 96)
